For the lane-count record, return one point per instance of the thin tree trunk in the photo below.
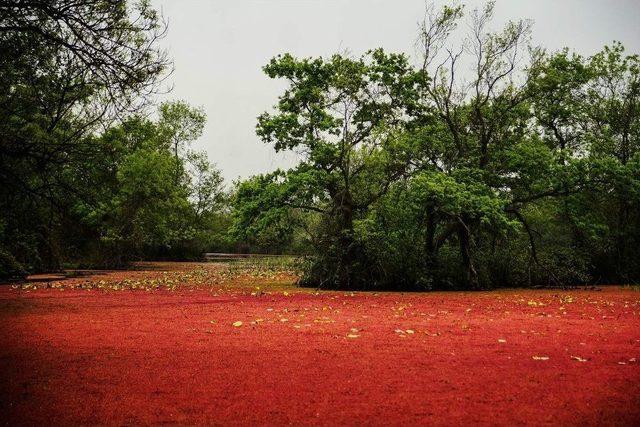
(471, 275)
(430, 244)
(344, 204)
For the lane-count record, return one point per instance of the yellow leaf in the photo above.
(237, 324)
(540, 357)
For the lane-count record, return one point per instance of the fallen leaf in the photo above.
(502, 341)
(578, 358)
(237, 324)
(540, 357)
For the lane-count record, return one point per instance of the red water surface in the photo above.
(486, 358)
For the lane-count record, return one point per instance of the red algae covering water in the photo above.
(230, 354)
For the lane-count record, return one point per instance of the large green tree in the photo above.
(480, 140)
(155, 200)
(346, 118)
(586, 110)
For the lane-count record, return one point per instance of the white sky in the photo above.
(220, 46)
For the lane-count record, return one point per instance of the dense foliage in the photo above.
(483, 162)
(479, 167)
(83, 175)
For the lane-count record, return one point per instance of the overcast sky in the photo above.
(220, 46)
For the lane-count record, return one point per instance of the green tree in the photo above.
(480, 139)
(179, 125)
(147, 209)
(586, 110)
(613, 126)
(346, 117)
(66, 68)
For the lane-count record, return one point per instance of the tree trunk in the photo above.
(621, 241)
(347, 255)
(471, 275)
(430, 244)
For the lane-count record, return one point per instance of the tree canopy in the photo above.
(482, 161)
(490, 163)
(84, 176)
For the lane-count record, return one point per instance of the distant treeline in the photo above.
(481, 163)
